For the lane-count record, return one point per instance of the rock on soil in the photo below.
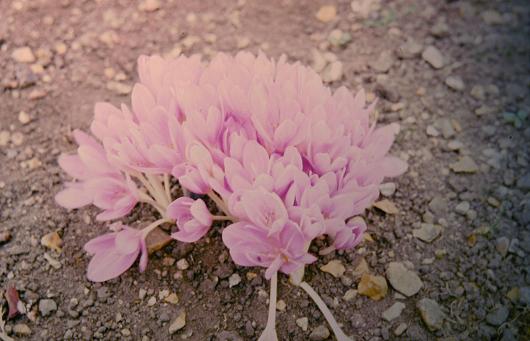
(47, 306)
(179, 323)
(434, 57)
(394, 311)
(427, 232)
(402, 279)
(431, 313)
(320, 333)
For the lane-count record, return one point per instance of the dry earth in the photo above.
(454, 74)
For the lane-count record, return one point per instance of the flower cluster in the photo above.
(285, 160)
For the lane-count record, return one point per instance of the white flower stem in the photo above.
(156, 182)
(158, 195)
(167, 187)
(148, 200)
(222, 217)
(269, 333)
(152, 226)
(219, 202)
(339, 334)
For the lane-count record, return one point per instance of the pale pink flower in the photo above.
(115, 252)
(193, 219)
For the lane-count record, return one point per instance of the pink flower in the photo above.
(97, 182)
(114, 253)
(251, 245)
(193, 219)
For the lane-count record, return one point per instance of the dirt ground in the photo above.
(462, 108)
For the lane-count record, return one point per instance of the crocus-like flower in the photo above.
(115, 252)
(193, 219)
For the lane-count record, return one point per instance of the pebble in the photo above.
(52, 261)
(332, 72)
(37, 94)
(462, 208)
(47, 306)
(349, 295)
(23, 117)
(5, 137)
(142, 293)
(5, 236)
(372, 286)
(440, 29)
(464, 165)
(23, 55)
(364, 8)
(21, 329)
(434, 57)
(400, 329)
(432, 131)
(172, 298)
(402, 279)
(151, 302)
(446, 126)
(119, 88)
(17, 138)
(410, 49)
(498, 315)
(524, 295)
(334, 267)
(182, 264)
(386, 206)
(383, 63)
(339, 38)
(431, 313)
(149, 5)
(387, 189)
(427, 232)
(234, 280)
(394, 311)
(492, 17)
(52, 241)
(502, 245)
(455, 82)
(281, 305)
(179, 323)
(523, 182)
(478, 92)
(326, 13)
(303, 323)
(455, 145)
(320, 333)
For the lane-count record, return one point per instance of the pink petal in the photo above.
(109, 265)
(101, 243)
(73, 197)
(200, 212)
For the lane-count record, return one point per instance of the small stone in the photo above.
(478, 92)
(23, 117)
(409, 49)
(492, 17)
(334, 268)
(234, 280)
(464, 165)
(462, 208)
(5, 236)
(383, 63)
(52, 241)
(431, 313)
(455, 145)
(402, 279)
(394, 311)
(432, 131)
(142, 293)
(498, 315)
(156, 240)
(52, 261)
(152, 301)
(182, 264)
(172, 298)
(5, 137)
(179, 323)
(427, 232)
(400, 329)
(23, 55)
(524, 295)
(21, 329)
(440, 29)
(455, 82)
(332, 72)
(303, 323)
(386, 206)
(37, 94)
(319, 62)
(485, 110)
(320, 333)
(149, 5)
(281, 305)
(349, 295)
(502, 245)
(119, 88)
(168, 261)
(17, 138)
(446, 126)
(338, 38)
(327, 13)
(434, 57)
(364, 8)
(372, 286)
(387, 189)
(47, 306)
(523, 182)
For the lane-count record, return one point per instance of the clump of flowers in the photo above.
(285, 160)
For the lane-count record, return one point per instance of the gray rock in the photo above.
(402, 279)
(502, 244)
(524, 182)
(21, 329)
(47, 306)
(440, 29)
(320, 333)
(409, 49)
(455, 82)
(400, 329)
(394, 311)
(464, 165)
(524, 295)
(446, 127)
(498, 315)
(431, 313)
(432, 131)
(434, 57)
(387, 189)
(438, 205)
(462, 208)
(427, 232)
(383, 63)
